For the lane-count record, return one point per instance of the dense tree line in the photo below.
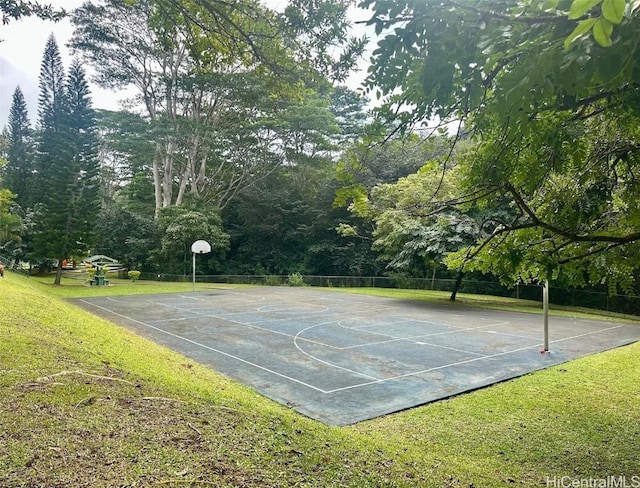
(239, 127)
(238, 134)
(548, 93)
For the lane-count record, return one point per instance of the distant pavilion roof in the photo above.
(101, 260)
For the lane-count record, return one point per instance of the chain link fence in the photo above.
(599, 300)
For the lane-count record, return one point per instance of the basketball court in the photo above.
(341, 358)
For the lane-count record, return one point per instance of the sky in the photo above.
(21, 50)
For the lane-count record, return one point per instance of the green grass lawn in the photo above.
(84, 402)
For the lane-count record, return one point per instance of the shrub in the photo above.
(133, 275)
(295, 279)
(272, 280)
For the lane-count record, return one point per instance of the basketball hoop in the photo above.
(198, 247)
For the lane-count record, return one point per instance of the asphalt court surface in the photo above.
(341, 358)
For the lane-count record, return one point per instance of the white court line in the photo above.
(591, 333)
(520, 336)
(359, 385)
(315, 358)
(253, 327)
(265, 308)
(230, 292)
(295, 341)
(414, 337)
(297, 337)
(225, 318)
(435, 368)
(295, 380)
(457, 328)
(170, 320)
(473, 360)
(408, 339)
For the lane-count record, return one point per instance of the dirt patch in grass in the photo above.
(74, 428)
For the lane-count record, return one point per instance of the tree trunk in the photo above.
(167, 177)
(58, 278)
(456, 285)
(183, 185)
(157, 183)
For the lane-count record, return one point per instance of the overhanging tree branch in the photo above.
(536, 221)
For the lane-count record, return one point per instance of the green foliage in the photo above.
(506, 59)
(349, 108)
(12, 226)
(113, 394)
(612, 12)
(365, 163)
(554, 114)
(272, 280)
(317, 34)
(67, 169)
(126, 173)
(20, 152)
(285, 222)
(246, 91)
(415, 223)
(182, 227)
(295, 279)
(127, 236)
(18, 9)
(581, 203)
(133, 275)
(7, 199)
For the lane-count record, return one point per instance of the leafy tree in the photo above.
(365, 164)
(20, 151)
(265, 224)
(309, 38)
(352, 116)
(550, 91)
(127, 236)
(329, 253)
(285, 223)
(488, 61)
(11, 225)
(125, 148)
(182, 227)
(209, 77)
(576, 216)
(415, 232)
(17, 9)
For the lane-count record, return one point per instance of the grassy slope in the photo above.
(87, 403)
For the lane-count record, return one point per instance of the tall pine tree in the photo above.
(19, 169)
(68, 165)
